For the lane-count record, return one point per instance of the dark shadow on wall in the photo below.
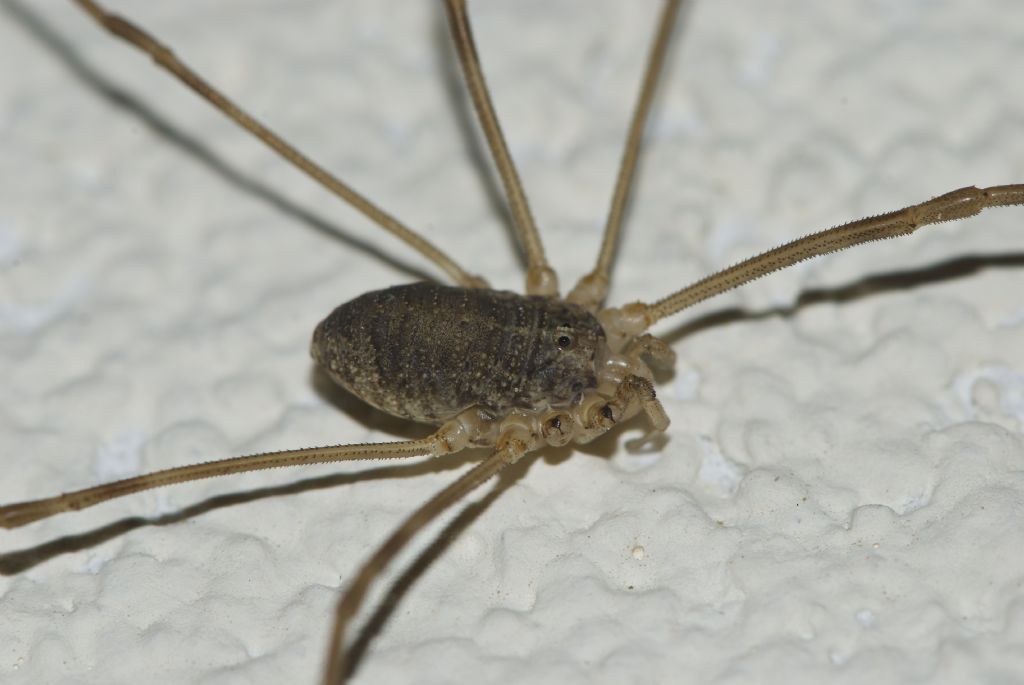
(18, 561)
(56, 45)
(869, 286)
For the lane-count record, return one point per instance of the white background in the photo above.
(842, 495)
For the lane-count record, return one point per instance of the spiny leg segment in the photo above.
(448, 439)
(540, 277)
(509, 451)
(592, 288)
(957, 204)
(162, 55)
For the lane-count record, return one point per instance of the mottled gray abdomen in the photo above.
(426, 352)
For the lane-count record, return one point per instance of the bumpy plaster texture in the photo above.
(841, 497)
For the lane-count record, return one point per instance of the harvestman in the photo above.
(536, 370)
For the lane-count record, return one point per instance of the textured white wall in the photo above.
(841, 497)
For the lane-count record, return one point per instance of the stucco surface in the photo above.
(841, 495)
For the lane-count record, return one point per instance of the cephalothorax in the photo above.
(489, 368)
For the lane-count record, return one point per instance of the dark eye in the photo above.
(564, 342)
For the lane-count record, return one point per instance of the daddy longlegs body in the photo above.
(619, 550)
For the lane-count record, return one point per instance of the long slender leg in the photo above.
(162, 55)
(449, 438)
(592, 288)
(958, 204)
(508, 452)
(540, 278)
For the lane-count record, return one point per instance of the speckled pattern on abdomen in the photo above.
(426, 352)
